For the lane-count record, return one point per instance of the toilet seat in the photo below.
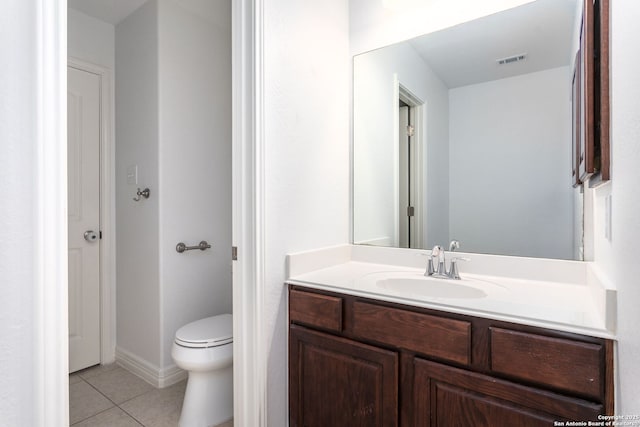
(209, 332)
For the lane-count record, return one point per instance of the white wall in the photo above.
(173, 98)
(509, 163)
(33, 222)
(194, 165)
(138, 223)
(90, 39)
(374, 172)
(18, 215)
(306, 189)
(619, 257)
(375, 157)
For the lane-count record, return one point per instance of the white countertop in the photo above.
(572, 297)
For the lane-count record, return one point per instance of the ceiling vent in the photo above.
(512, 59)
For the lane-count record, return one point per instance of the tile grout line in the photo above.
(115, 405)
(97, 413)
(107, 397)
(118, 405)
(132, 416)
(95, 378)
(94, 415)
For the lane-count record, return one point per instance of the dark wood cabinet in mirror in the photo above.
(602, 110)
(591, 100)
(576, 112)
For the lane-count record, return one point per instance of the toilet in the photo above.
(204, 348)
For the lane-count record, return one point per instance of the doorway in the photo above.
(90, 221)
(411, 134)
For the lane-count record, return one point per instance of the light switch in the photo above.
(607, 217)
(132, 174)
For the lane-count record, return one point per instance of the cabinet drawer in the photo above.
(318, 310)
(563, 364)
(448, 396)
(443, 338)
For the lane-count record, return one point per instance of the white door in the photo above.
(83, 109)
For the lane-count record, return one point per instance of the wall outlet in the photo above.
(132, 175)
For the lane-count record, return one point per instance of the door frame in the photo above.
(107, 208)
(248, 201)
(419, 166)
(52, 402)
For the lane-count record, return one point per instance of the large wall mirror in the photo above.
(465, 133)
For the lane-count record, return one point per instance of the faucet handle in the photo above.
(430, 269)
(454, 245)
(453, 270)
(435, 252)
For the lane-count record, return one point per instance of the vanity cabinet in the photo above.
(341, 382)
(447, 396)
(355, 361)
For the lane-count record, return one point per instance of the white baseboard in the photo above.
(159, 378)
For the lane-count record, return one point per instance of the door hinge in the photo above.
(410, 211)
(410, 130)
(234, 253)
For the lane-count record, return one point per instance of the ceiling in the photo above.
(467, 53)
(111, 11)
(114, 11)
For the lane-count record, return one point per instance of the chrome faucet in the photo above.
(434, 253)
(436, 266)
(453, 270)
(437, 263)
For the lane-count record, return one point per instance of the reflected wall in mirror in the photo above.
(465, 134)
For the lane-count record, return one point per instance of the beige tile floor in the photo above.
(110, 396)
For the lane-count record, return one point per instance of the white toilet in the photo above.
(204, 348)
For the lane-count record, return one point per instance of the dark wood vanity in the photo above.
(355, 361)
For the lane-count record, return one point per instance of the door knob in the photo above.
(90, 236)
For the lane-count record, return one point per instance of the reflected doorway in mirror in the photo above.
(410, 145)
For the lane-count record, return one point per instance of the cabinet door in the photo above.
(445, 396)
(339, 382)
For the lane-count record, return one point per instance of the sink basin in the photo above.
(418, 285)
(431, 287)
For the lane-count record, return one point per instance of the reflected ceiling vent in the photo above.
(512, 59)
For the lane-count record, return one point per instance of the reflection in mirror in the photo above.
(465, 134)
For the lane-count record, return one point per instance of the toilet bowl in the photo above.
(204, 348)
